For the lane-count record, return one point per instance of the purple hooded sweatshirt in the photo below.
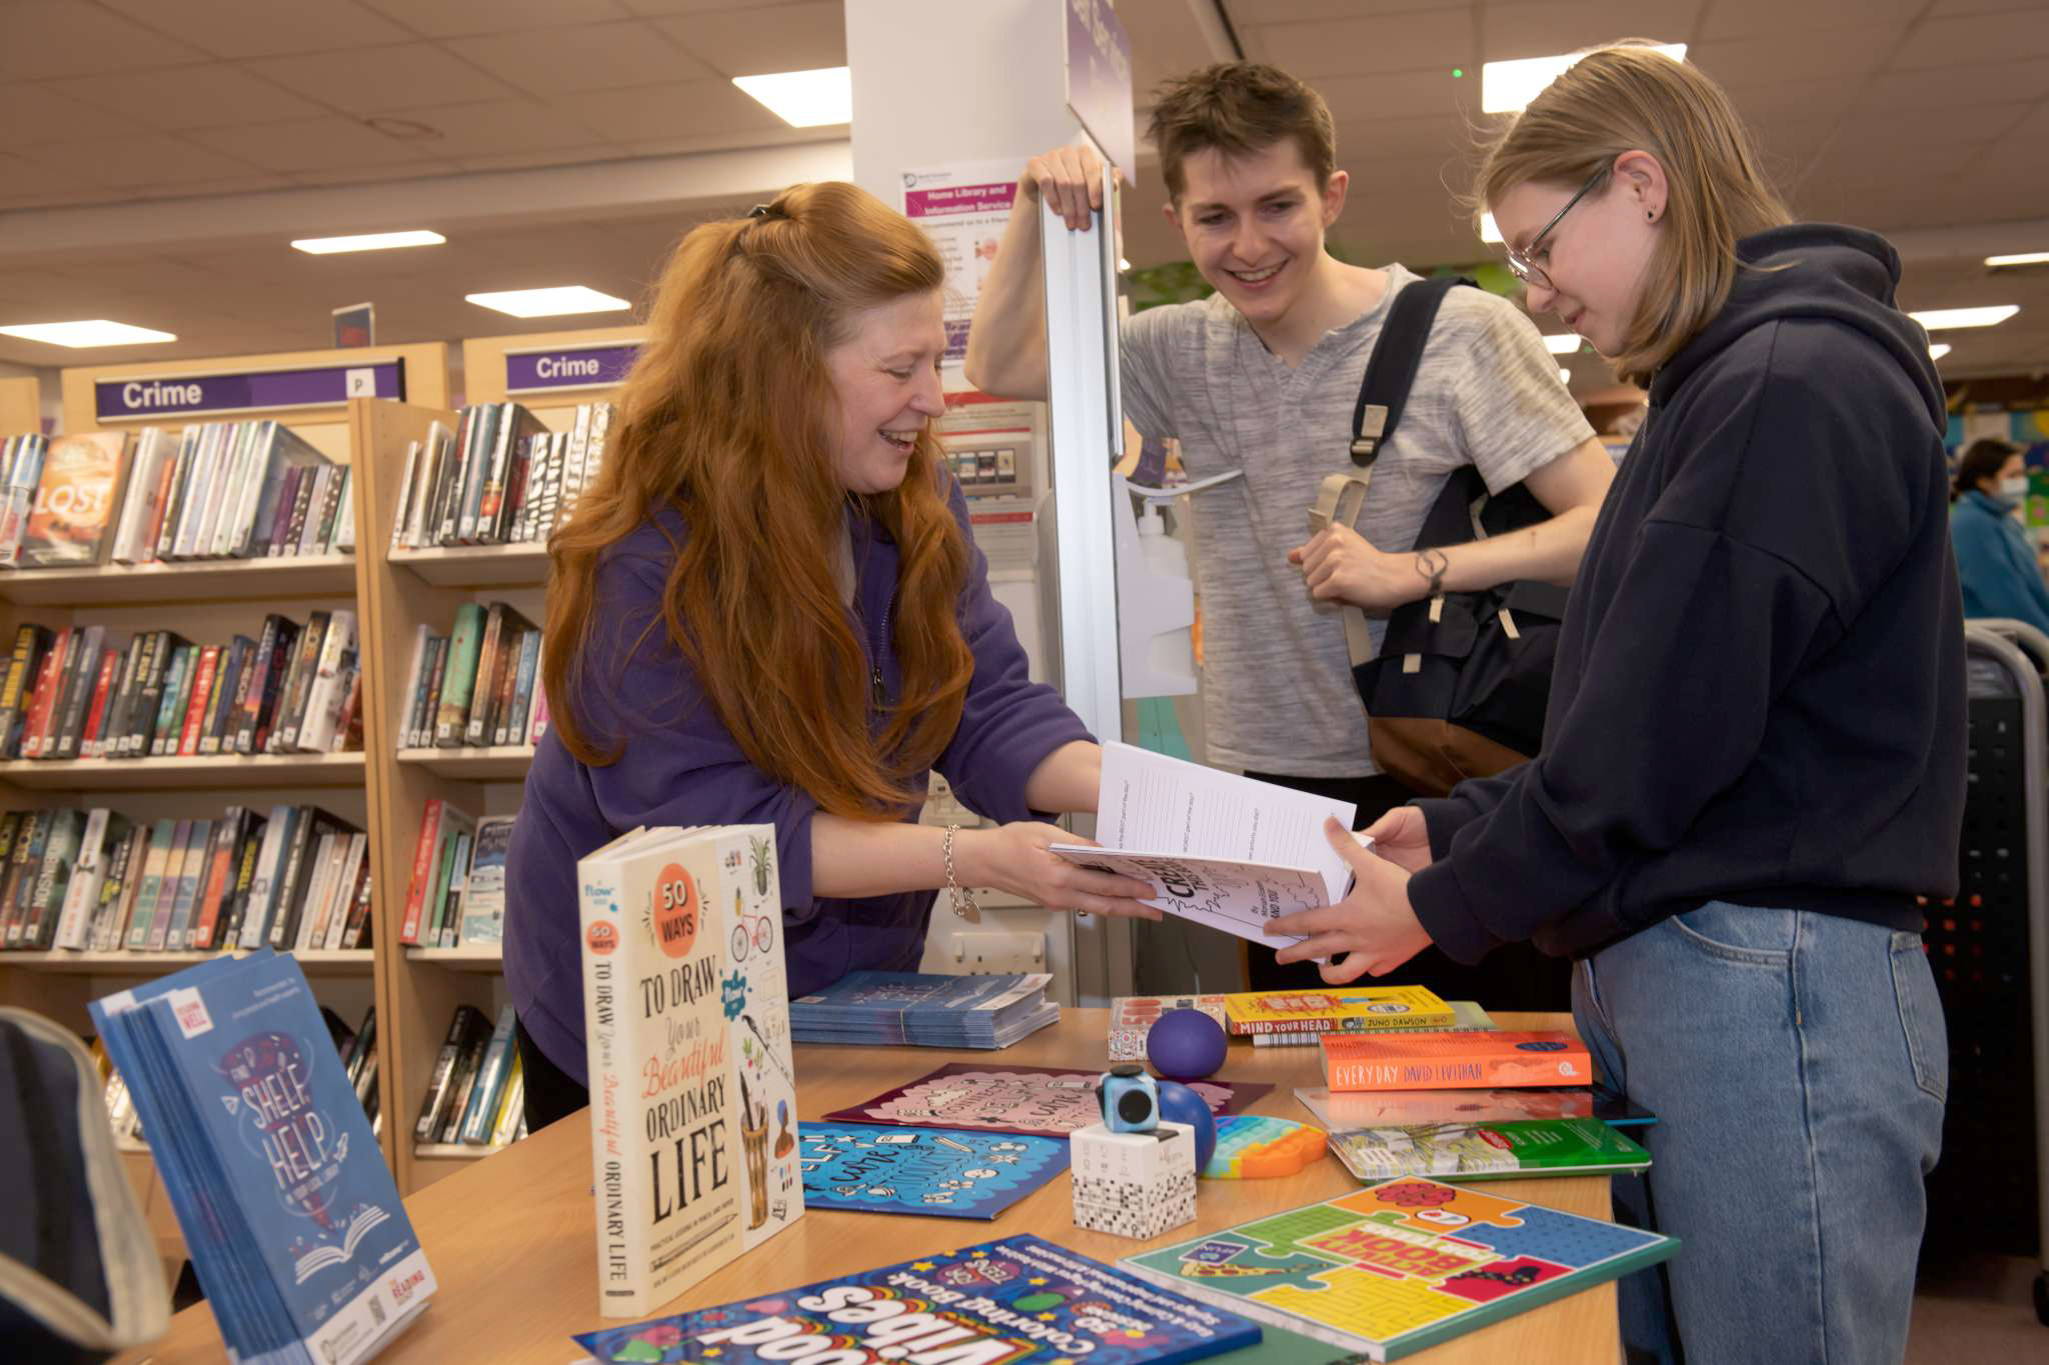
(680, 766)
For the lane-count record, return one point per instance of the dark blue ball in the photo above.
(1186, 1045)
(1179, 1104)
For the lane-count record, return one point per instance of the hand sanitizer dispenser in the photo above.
(1155, 599)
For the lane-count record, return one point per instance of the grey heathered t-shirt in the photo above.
(1277, 683)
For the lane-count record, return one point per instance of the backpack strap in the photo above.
(1391, 371)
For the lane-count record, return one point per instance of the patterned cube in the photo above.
(1133, 1184)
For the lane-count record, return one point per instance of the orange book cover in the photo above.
(1453, 1061)
(77, 500)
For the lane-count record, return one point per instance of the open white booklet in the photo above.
(1218, 849)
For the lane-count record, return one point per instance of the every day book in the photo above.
(1338, 1009)
(1400, 1266)
(1453, 1061)
(1219, 849)
(1489, 1151)
(925, 1008)
(687, 1032)
(1018, 1301)
(289, 1214)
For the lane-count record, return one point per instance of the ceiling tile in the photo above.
(1398, 94)
(47, 113)
(150, 159)
(313, 145)
(1811, 100)
(684, 6)
(262, 28)
(764, 38)
(446, 18)
(558, 156)
(1291, 11)
(376, 80)
(685, 109)
(375, 175)
(1542, 27)
(587, 57)
(1853, 51)
(1932, 87)
(48, 38)
(1344, 47)
(1966, 40)
(1765, 18)
(498, 126)
(204, 97)
(1436, 135)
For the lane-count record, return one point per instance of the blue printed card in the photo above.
(953, 1174)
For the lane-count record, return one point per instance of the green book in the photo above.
(459, 676)
(1488, 1151)
(1396, 1267)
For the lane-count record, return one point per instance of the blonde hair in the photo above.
(1630, 97)
(728, 415)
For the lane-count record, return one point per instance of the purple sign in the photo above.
(187, 395)
(569, 367)
(951, 199)
(1099, 80)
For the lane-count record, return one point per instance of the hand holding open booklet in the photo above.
(1217, 848)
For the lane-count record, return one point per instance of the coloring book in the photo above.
(952, 1174)
(1017, 1099)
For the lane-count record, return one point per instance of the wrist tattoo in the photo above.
(1431, 565)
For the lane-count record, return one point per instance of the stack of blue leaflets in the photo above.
(925, 1009)
(290, 1215)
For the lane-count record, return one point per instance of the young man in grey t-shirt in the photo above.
(1261, 379)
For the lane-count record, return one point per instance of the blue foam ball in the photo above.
(1186, 1045)
(1179, 1104)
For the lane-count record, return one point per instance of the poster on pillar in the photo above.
(1099, 81)
(963, 210)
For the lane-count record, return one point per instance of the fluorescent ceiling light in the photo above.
(1489, 232)
(368, 241)
(98, 332)
(1563, 343)
(1939, 350)
(548, 303)
(1937, 319)
(2024, 258)
(1508, 86)
(805, 99)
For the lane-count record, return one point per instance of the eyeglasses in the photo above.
(1519, 262)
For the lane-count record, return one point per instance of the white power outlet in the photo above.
(986, 953)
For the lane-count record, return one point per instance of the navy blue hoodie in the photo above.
(1759, 693)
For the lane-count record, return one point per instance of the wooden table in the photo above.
(514, 1248)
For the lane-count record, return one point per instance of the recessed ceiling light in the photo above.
(368, 241)
(805, 99)
(80, 335)
(1489, 232)
(1937, 319)
(1123, 263)
(1563, 343)
(1564, 375)
(1508, 86)
(1939, 350)
(2024, 258)
(548, 303)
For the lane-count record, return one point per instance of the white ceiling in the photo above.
(1914, 117)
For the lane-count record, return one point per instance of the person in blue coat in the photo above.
(1994, 559)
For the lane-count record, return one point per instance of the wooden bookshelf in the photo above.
(476, 566)
(316, 961)
(491, 763)
(489, 958)
(202, 580)
(198, 771)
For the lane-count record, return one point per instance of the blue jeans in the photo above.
(1797, 1063)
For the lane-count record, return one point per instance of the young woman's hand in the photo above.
(1374, 927)
(1013, 858)
(1401, 837)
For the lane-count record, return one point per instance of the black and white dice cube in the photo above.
(1133, 1184)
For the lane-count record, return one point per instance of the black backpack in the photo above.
(1462, 679)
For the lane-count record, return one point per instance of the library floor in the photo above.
(1980, 1309)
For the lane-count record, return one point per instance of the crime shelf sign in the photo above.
(195, 395)
(569, 367)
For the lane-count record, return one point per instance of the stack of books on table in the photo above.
(289, 1214)
(925, 1009)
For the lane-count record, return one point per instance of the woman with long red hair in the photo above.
(768, 610)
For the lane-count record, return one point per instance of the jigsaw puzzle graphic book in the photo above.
(1400, 1266)
(687, 1022)
(289, 1213)
(1453, 1061)
(1019, 1301)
